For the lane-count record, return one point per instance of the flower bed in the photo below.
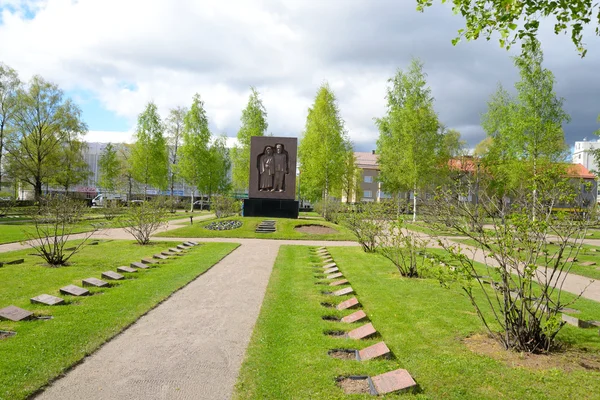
(223, 225)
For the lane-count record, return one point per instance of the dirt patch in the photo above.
(330, 318)
(335, 333)
(315, 229)
(354, 385)
(6, 334)
(567, 360)
(328, 305)
(342, 354)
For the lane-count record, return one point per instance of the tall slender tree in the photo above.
(109, 168)
(71, 166)
(526, 130)
(254, 123)
(9, 85)
(410, 141)
(194, 150)
(323, 148)
(43, 122)
(214, 175)
(174, 128)
(149, 158)
(352, 175)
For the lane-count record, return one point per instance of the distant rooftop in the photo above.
(366, 160)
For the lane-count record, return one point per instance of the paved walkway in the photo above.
(189, 347)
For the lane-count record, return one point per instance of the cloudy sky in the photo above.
(113, 56)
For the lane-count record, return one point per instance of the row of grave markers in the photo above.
(393, 381)
(13, 313)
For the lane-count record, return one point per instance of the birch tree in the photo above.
(109, 168)
(149, 159)
(174, 129)
(194, 149)
(410, 143)
(254, 123)
(323, 148)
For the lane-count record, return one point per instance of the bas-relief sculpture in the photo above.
(273, 167)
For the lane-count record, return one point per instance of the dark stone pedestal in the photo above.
(271, 208)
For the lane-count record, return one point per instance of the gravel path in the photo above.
(189, 347)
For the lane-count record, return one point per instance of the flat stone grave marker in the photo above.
(126, 269)
(362, 332)
(47, 299)
(138, 265)
(160, 257)
(393, 381)
(168, 253)
(377, 350)
(174, 250)
(74, 290)
(340, 282)
(14, 313)
(575, 321)
(353, 302)
(328, 260)
(14, 262)
(588, 263)
(182, 247)
(94, 282)
(185, 244)
(321, 248)
(112, 275)
(331, 270)
(336, 275)
(148, 261)
(71, 248)
(343, 291)
(330, 265)
(192, 243)
(354, 317)
(322, 253)
(571, 259)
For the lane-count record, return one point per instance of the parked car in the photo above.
(201, 205)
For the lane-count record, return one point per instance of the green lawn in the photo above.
(44, 349)
(423, 324)
(285, 230)
(586, 253)
(16, 231)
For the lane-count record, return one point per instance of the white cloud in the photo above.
(130, 52)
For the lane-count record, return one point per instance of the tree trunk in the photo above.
(414, 203)
(192, 202)
(37, 189)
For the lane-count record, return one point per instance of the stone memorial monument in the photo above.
(272, 186)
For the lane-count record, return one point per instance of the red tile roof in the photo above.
(579, 171)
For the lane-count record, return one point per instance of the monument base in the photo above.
(271, 208)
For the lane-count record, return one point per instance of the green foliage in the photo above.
(109, 168)
(323, 148)
(330, 209)
(9, 85)
(411, 144)
(44, 122)
(142, 220)
(215, 178)
(194, 151)
(71, 168)
(351, 179)
(254, 123)
(225, 206)
(525, 131)
(367, 222)
(54, 222)
(520, 20)
(403, 247)
(149, 158)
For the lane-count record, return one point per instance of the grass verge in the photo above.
(285, 230)
(43, 349)
(422, 323)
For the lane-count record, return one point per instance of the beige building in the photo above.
(370, 187)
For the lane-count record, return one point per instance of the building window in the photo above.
(368, 179)
(367, 194)
(384, 195)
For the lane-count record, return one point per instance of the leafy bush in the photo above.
(224, 225)
(144, 219)
(53, 223)
(225, 206)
